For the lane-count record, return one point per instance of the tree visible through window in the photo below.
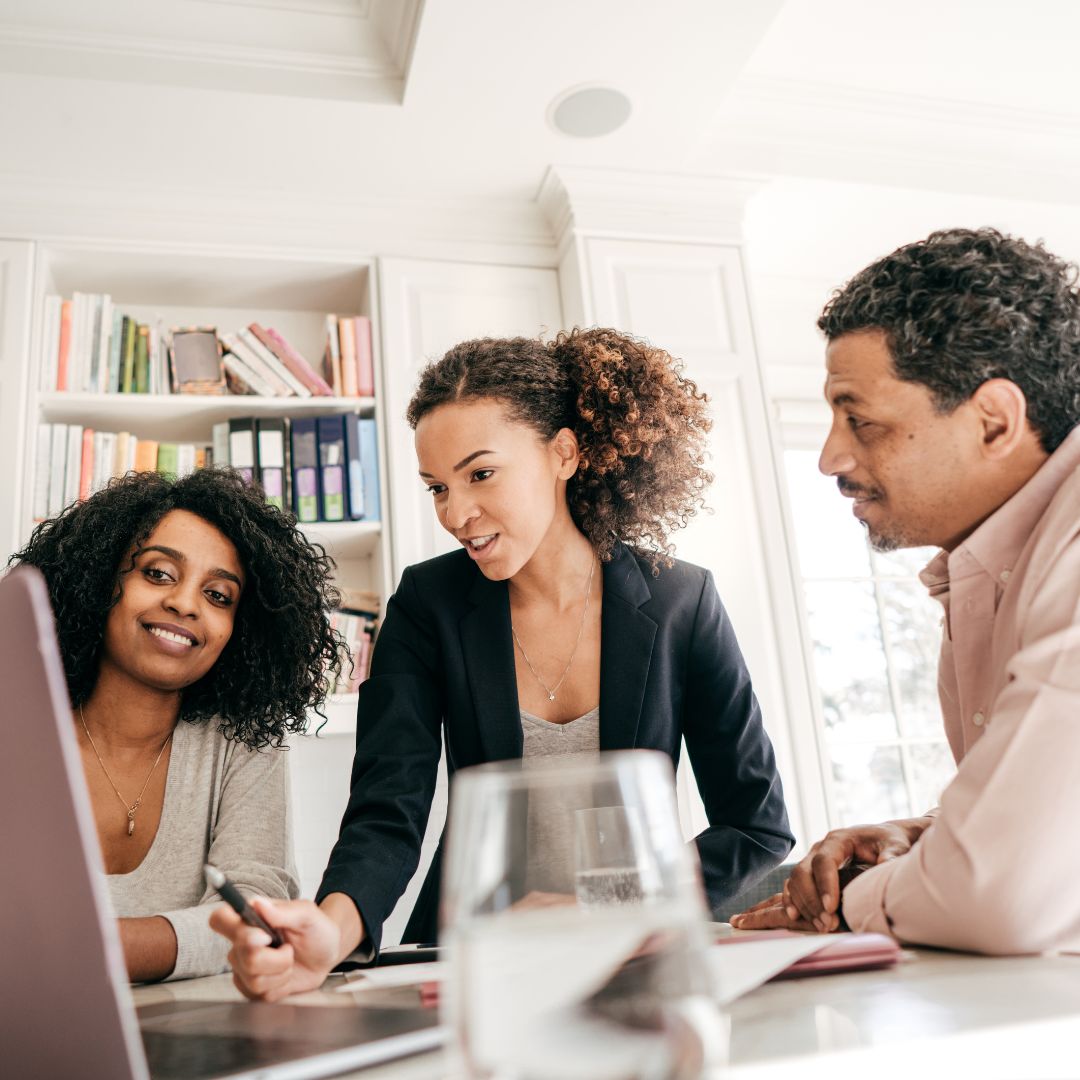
(876, 635)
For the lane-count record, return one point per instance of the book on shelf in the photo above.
(293, 362)
(308, 464)
(88, 344)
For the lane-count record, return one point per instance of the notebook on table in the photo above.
(65, 1006)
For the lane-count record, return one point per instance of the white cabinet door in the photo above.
(17, 368)
(428, 306)
(691, 300)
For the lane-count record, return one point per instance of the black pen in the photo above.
(238, 902)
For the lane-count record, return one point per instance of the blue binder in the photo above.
(305, 468)
(332, 485)
(369, 466)
(355, 477)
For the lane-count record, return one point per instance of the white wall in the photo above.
(805, 238)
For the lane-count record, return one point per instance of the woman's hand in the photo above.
(313, 945)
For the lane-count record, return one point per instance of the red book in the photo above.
(365, 367)
(300, 368)
(65, 345)
(86, 472)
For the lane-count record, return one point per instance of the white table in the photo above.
(936, 1014)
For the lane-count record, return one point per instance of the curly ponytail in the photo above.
(640, 424)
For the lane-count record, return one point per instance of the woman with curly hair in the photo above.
(192, 627)
(563, 625)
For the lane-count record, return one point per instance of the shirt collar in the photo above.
(996, 544)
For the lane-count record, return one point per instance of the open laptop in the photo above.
(65, 1006)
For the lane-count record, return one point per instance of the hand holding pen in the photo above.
(238, 902)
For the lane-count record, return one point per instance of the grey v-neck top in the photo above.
(550, 828)
(224, 804)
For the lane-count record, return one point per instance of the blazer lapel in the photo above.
(626, 641)
(488, 648)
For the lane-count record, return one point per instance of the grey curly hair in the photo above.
(967, 305)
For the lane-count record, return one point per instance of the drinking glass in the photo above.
(574, 922)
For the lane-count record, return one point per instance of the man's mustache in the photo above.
(847, 487)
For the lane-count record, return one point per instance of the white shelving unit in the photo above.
(227, 291)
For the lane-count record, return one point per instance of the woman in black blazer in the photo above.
(547, 461)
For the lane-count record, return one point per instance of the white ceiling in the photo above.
(322, 100)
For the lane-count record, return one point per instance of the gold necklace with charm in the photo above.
(551, 691)
(129, 810)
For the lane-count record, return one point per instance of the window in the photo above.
(875, 635)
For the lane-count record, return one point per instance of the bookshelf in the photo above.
(226, 290)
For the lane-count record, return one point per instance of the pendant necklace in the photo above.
(129, 810)
(551, 691)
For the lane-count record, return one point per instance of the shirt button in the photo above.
(978, 719)
(1005, 575)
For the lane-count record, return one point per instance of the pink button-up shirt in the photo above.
(998, 871)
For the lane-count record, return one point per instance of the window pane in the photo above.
(849, 661)
(932, 768)
(904, 562)
(913, 626)
(868, 784)
(830, 542)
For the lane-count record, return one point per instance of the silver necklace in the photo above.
(129, 810)
(551, 691)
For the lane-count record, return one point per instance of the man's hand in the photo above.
(770, 914)
(811, 896)
(312, 944)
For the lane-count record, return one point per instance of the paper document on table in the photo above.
(378, 978)
(741, 966)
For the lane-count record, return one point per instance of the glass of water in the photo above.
(574, 921)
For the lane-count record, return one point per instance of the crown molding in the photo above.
(219, 55)
(669, 206)
(790, 127)
(511, 232)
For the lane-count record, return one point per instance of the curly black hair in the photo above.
(282, 656)
(641, 425)
(967, 305)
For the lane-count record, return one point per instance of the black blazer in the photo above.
(670, 668)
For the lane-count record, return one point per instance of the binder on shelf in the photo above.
(270, 434)
(354, 507)
(57, 469)
(304, 453)
(332, 483)
(242, 447)
(294, 363)
(365, 364)
(369, 463)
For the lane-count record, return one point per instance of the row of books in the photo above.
(90, 345)
(261, 361)
(358, 630)
(72, 462)
(325, 468)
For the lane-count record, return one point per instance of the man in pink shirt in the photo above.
(954, 380)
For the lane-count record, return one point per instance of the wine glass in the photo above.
(602, 975)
